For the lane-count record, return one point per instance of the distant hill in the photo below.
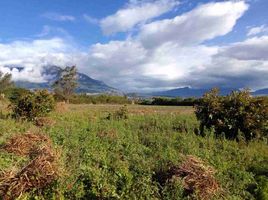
(187, 92)
(262, 92)
(52, 73)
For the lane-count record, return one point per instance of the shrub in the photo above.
(15, 93)
(122, 113)
(236, 113)
(33, 105)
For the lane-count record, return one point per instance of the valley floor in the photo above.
(105, 156)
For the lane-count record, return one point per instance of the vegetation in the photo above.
(170, 101)
(5, 81)
(141, 152)
(33, 105)
(236, 115)
(64, 87)
(98, 99)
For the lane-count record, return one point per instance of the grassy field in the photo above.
(104, 158)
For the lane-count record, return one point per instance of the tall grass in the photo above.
(120, 159)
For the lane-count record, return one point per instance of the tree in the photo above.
(5, 81)
(64, 87)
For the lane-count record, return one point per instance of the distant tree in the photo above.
(5, 81)
(64, 87)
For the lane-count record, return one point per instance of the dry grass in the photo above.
(197, 177)
(22, 144)
(44, 121)
(61, 107)
(42, 169)
(110, 134)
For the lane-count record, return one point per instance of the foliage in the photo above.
(237, 113)
(170, 101)
(33, 105)
(15, 93)
(122, 113)
(118, 159)
(5, 81)
(98, 99)
(64, 87)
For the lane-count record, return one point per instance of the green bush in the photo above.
(15, 93)
(121, 113)
(33, 105)
(237, 114)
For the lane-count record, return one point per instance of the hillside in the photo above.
(85, 83)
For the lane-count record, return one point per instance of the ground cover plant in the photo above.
(153, 153)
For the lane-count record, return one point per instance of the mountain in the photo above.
(52, 73)
(187, 92)
(262, 92)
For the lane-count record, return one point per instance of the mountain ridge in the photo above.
(51, 73)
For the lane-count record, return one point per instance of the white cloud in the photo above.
(34, 55)
(164, 54)
(243, 64)
(251, 49)
(203, 23)
(257, 30)
(58, 17)
(134, 13)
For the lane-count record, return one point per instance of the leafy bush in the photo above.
(234, 115)
(122, 113)
(33, 105)
(15, 93)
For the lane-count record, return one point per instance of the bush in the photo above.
(234, 115)
(122, 113)
(15, 93)
(33, 105)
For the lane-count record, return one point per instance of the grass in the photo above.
(123, 159)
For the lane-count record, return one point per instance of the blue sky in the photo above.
(139, 44)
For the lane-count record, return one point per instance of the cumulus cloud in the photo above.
(34, 55)
(243, 64)
(164, 54)
(204, 22)
(58, 17)
(251, 49)
(136, 12)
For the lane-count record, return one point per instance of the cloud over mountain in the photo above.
(161, 53)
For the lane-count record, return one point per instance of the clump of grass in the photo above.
(110, 134)
(61, 107)
(41, 170)
(44, 121)
(197, 177)
(22, 144)
(38, 173)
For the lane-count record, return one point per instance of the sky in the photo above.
(139, 45)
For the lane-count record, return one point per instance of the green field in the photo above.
(104, 158)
